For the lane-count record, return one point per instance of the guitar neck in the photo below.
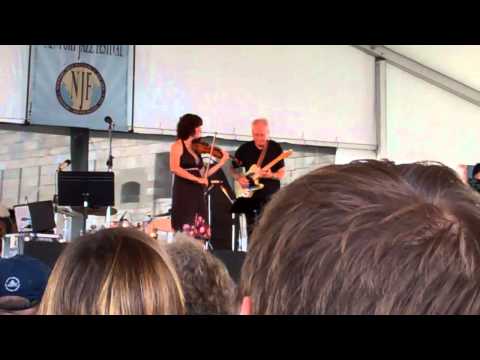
(282, 156)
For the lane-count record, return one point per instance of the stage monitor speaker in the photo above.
(221, 221)
(233, 261)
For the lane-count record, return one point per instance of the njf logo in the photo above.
(80, 88)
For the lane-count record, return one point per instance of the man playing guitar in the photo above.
(261, 151)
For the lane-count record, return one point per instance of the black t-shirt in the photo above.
(248, 154)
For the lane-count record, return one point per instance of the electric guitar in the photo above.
(253, 176)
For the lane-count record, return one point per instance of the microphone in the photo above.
(108, 120)
(64, 164)
(216, 182)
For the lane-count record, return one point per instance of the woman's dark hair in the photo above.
(187, 125)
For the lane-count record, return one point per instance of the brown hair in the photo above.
(206, 283)
(114, 271)
(369, 237)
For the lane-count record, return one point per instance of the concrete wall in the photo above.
(28, 163)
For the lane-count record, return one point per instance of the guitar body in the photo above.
(253, 176)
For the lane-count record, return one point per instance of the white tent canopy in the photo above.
(319, 95)
(13, 83)
(311, 94)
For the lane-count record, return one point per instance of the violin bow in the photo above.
(210, 155)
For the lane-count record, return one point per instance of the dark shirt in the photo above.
(248, 154)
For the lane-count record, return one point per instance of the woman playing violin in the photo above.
(189, 206)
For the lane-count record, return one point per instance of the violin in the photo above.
(201, 147)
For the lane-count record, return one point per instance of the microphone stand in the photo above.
(59, 169)
(111, 124)
(55, 200)
(110, 157)
(55, 196)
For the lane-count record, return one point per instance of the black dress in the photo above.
(188, 200)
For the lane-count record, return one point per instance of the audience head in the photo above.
(115, 271)
(4, 212)
(368, 237)
(22, 283)
(207, 286)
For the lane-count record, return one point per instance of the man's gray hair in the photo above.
(259, 121)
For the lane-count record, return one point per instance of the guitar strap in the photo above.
(262, 155)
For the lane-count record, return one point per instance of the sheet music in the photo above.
(23, 218)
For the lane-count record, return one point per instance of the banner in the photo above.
(80, 85)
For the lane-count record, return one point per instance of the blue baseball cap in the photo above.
(23, 276)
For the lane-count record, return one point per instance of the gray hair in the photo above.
(207, 285)
(259, 121)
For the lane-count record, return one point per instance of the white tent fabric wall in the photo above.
(311, 94)
(459, 62)
(320, 93)
(425, 122)
(344, 156)
(13, 83)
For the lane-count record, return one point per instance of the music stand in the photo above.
(36, 217)
(87, 189)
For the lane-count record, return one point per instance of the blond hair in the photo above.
(113, 272)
